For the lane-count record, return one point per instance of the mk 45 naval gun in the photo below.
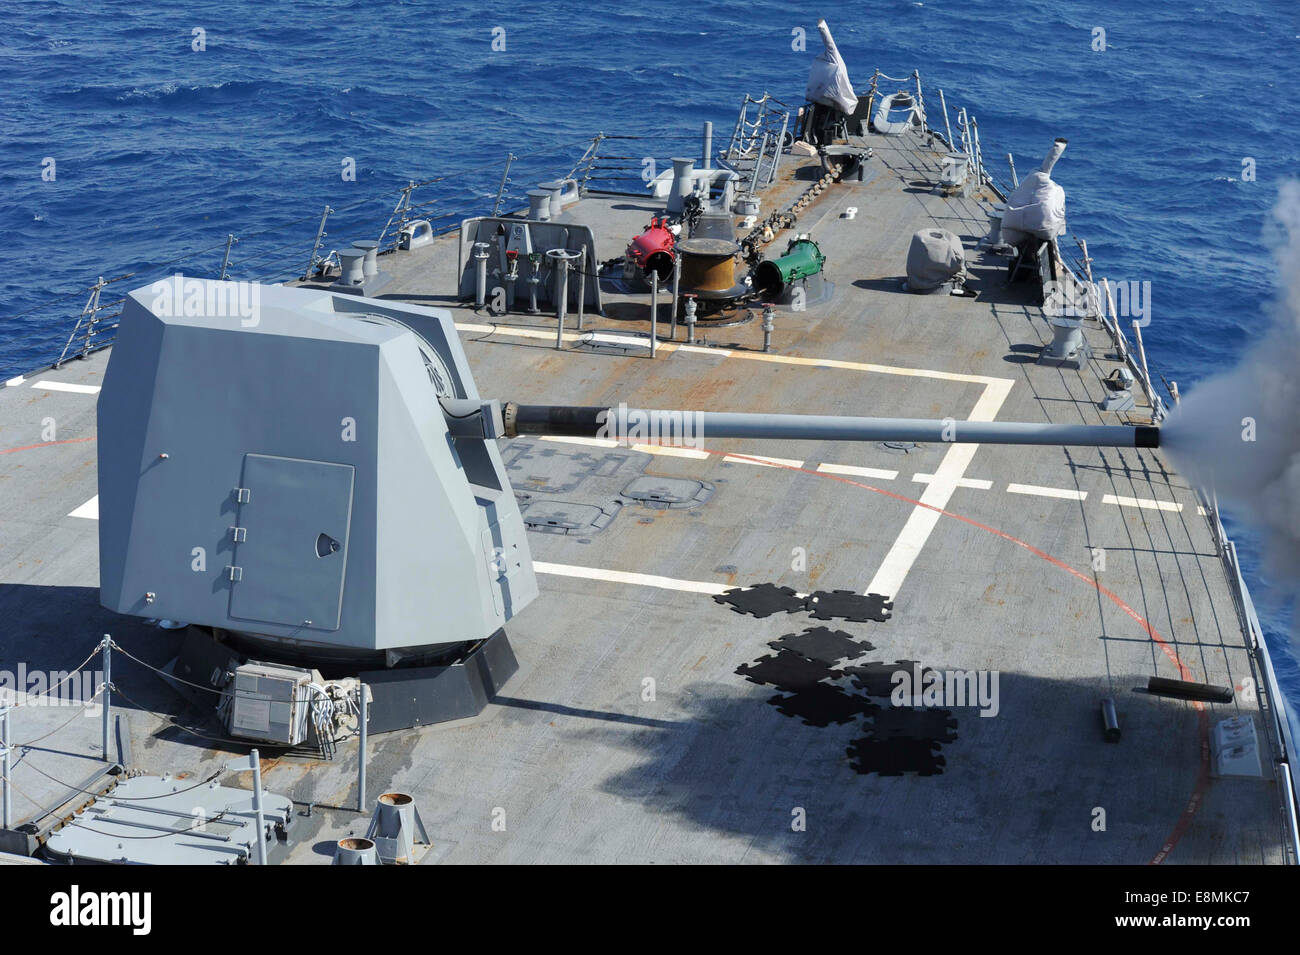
(312, 479)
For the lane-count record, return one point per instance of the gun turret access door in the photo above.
(290, 541)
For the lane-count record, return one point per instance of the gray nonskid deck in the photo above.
(583, 768)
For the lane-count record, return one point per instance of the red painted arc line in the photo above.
(46, 444)
(1203, 720)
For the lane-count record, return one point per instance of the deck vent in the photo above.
(355, 851)
(396, 829)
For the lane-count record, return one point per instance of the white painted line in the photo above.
(89, 510)
(667, 450)
(623, 577)
(627, 340)
(907, 546)
(604, 337)
(589, 442)
(1064, 493)
(671, 451)
(869, 366)
(978, 484)
(763, 461)
(701, 350)
(479, 328)
(1143, 502)
(67, 386)
(15, 382)
(1202, 511)
(855, 471)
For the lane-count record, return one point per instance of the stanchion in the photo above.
(364, 718)
(107, 646)
(6, 767)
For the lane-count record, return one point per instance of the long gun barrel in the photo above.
(673, 427)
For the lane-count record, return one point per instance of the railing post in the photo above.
(501, 190)
(92, 304)
(256, 760)
(1157, 406)
(654, 311)
(677, 282)
(780, 142)
(871, 95)
(582, 283)
(320, 235)
(943, 104)
(225, 261)
(399, 211)
(758, 168)
(363, 719)
(925, 122)
(92, 317)
(591, 160)
(1083, 247)
(6, 768)
(1116, 333)
(106, 645)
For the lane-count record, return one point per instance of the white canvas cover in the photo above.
(934, 258)
(1036, 208)
(911, 114)
(828, 80)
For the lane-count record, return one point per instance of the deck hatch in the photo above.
(286, 576)
(565, 517)
(665, 492)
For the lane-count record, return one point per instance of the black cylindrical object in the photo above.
(1109, 720)
(1186, 690)
(573, 421)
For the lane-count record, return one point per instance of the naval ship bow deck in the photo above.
(990, 556)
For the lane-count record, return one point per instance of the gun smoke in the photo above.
(1238, 432)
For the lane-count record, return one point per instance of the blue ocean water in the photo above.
(160, 150)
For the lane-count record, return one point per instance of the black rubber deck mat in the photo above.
(848, 605)
(823, 645)
(762, 600)
(822, 705)
(895, 722)
(894, 757)
(786, 670)
(877, 679)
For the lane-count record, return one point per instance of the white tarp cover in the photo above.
(934, 258)
(881, 121)
(828, 80)
(1036, 207)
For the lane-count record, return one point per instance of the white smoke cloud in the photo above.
(1239, 432)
